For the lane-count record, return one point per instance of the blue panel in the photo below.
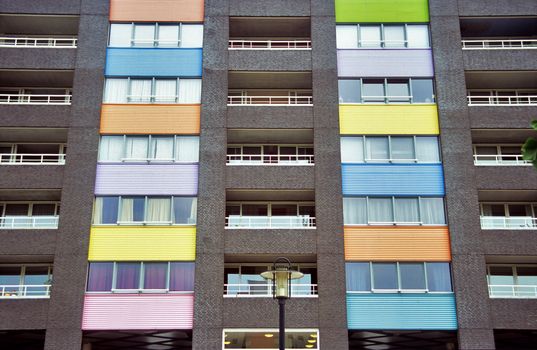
(401, 311)
(393, 180)
(153, 62)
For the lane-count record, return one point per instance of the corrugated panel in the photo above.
(382, 11)
(150, 119)
(142, 179)
(385, 63)
(392, 179)
(137, 311)
(401, 311)
(156, 10)
(397, 243)
(388, 120)
(121, 243)
(153, 62)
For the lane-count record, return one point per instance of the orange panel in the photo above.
(397, 244)
(156, 10)
(150, 119)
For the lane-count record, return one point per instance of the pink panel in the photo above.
(138, 311)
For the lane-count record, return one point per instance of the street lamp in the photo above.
(281, 276)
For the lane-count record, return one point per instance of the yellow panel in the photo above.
(160, 243)
(388, 120)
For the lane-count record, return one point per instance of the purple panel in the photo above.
(142, 179)
(385, 63)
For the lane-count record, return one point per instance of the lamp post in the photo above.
(281, 276)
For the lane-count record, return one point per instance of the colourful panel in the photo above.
(382, 11)
(137, 311)
(143, 179)
(388, 120)
(401, 311)
(385, 63)
(153, 62)
(150, 119)
(392, 179)
(156, 10)
(397, 243)
(123, 243)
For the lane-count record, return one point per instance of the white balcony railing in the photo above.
(29, 222)
(270, 222)
(512, 291)
(25, 291)
(499, 44)
(514, 100)
(510, 223)
(26, 99)
(500, 159)
(252, 159)
(265, 290)
(270, 44)
(59, 43)
(32, 159)
(270, 100)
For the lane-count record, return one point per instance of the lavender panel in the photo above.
(385, 63)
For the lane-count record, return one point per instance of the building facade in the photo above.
(190, 143)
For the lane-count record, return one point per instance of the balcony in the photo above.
(32, 154)
(29, 31)
(29, 215)
(495, 33)
(30, 281)
(273, 97)
(499, 155)
(512, 281)
(501, 88)
(508, 216)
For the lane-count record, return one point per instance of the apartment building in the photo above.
(190, 143)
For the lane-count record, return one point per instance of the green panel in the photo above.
(382, 11)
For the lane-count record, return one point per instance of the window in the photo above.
(512, 281)
(156, 35)
(267, 339)
(412, 276)
(382, 36)
(373, 91)
(349, 91)
(418, 36)
(270, 154)
(355, 211)
(35, 278)
(398, 91)
(377, 149)
(408, 90)
(385, 276)
(100, 276)
(394, 36)
(144, 35)
(352, 149)
(407, 210)
(422, 91)
(160, 91)
(346, 36)
(120, 35)
(358, 277)
(184, 210)
(380, 210)
(370, 36)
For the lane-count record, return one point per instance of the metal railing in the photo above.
(270, 100)
(25, 291)
(512, 291)
(386, 99)
(270, 44)
(29, 222)
(500, 159)
(152, 98)
(511, 223)
(514, 100)
(24, 99)
(270, 222)
(499, 44)
(60, 43)
(276, 159)
(32, 159)
(265, 290)
(395, 223)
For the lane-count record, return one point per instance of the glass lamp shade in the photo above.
(281, 278)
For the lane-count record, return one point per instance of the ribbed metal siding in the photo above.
(382, 11)
(137, 311)
(142, 179)
(150, 62)
(385, 63)
(394, 179)
(156, 10)
(401, 311)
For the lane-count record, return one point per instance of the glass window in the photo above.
(346, 36)
(370, 36)
(422, 91)
(385, 276)
(168, 35)
(354, 211)
(412, 275)
(402, 148)
(254, 209)
(43, 209)
(185, 210)
(140, 90)
(373, 91)
(418, 35)
(106, 210)
(427, 149)
(501, 275)
(132, 209)
(187, 149)
(432, 211)
(494, 210)
(192, 35)
(380, 210)
(100, 276)
(519, 210)
(128, 275)
(10, 275)
(136, 147)
(349, 91)
(161, 148)
(17, 209)
(144, 35)
(159, 210)
(283, 210)
(165, 90)
(406, 210)
(358, 277)
(190, 91)
(181, 276)
(111, 148)
(116, 90)
(526, 275)
(352, 149)
(438, 277)
(394, 36)
(397, 91)
(377, 149)
(155, 275)
(120, 35)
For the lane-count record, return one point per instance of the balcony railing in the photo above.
(270, 222)
(59, 43)
(25, 99)
(270, 44)
(32, 159)
(29, 222)
(265, 290)
(514, 100)
(500, 159)
(499, 44)
(25, 291)
(512, 291)
(510, 223)
(253, 159)
(270, 100)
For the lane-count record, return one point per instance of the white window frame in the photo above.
(360, 45)
(156, 40)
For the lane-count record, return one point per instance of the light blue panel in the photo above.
(401, 311)
(153, 62)
(393, 180)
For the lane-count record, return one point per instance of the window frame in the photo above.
(156, 34)
(387, 99)
(360, 45)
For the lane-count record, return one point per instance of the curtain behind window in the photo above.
(161, 148)
(427, 149)
(168, 35)
(155, 275)
(187, 149)
(438, 277)
(140, 90)
(165, 91)
(352, 150)
(116, 90)
(346, 36)
(406, 210)
(159, 210)
(128, 275)
(358, 277)
(111, 148)
(181, 276)
(190, 91)
(432, 211)
(192, 35)
(120, 35)
(136, 147)
(100, 276)
(418, 36)
(380, 210)
(354, 211)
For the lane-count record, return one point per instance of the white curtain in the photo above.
(120, 35)
(370, 36)
(377, 149)
(192, 35)
(406, 210)
(162, 148)
(136, 147)
(159, 210)
(427, 150)
(187, 149)
(111, 148)
(418, 35)
(394, 36)
(432, 211)
(190, 91)
(165, 90)
(98, 211)
(380, 210)
(354, 211)
(144, 35)
(168, 35)
(116, 90)
(403, 148)
(346, 36)
(140, 90)
(127, 210)
(352, 150)
(185, 210)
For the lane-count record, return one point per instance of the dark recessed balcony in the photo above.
(499, 33)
